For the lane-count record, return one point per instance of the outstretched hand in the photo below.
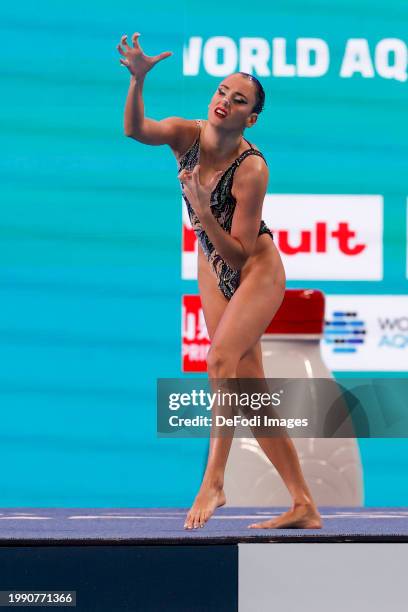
(135, 60)
(197, 194)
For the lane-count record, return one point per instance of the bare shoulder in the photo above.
(252, 166)
(252, 173)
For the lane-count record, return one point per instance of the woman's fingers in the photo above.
(140, 63)
(216, 178)
(187, 191)
(135, 41)
(125, 62)
(185, 180)
(184, 175)
(196, 171)
(193, 176)
(161, 56)
(123, 41)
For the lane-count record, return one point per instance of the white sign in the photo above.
(319, 237)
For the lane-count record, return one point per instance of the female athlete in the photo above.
(240, 273)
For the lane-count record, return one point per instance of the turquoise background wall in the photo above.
(90, 229)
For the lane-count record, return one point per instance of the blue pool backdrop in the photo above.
(90, 229)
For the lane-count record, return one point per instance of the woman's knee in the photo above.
(221, 362)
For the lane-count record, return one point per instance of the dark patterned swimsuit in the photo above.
(222, 207)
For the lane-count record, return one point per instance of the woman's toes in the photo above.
(197, 521)
(260, 525)
(187, 523)
(193, 521)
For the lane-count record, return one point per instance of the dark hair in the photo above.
(259, 92)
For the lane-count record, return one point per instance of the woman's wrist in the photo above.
(205, 211)
(205, 208)
(136, 80)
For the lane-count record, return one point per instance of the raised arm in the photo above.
(173, 131)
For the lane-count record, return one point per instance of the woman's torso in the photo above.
(223, 201)
(225, 187)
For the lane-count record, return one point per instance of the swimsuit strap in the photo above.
(246, 153)
(200, 125)
(234, 164)
(230, 171)
(247, 141)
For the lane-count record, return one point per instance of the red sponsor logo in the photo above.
(313, 240)
(316, 240)
(189, 239)
(195, 340)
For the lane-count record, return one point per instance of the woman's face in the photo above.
(232, 103)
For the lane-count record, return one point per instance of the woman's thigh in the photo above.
(214, 304)
(236, 326)
(213, 301)
(251, 308)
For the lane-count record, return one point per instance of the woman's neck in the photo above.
(219, 145)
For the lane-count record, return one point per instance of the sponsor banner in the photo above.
(366, 332)
(195, 339)
(189, 247)
(361, 333)
(320, 237)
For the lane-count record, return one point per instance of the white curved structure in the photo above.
(332, 467)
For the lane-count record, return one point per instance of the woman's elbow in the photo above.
(238, 262)
(244, 255)
(129, 133)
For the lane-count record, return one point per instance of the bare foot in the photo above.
(300, 516)
(208, 499)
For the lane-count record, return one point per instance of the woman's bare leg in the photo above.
(282, 453)
(234, 354)
(211, 494)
